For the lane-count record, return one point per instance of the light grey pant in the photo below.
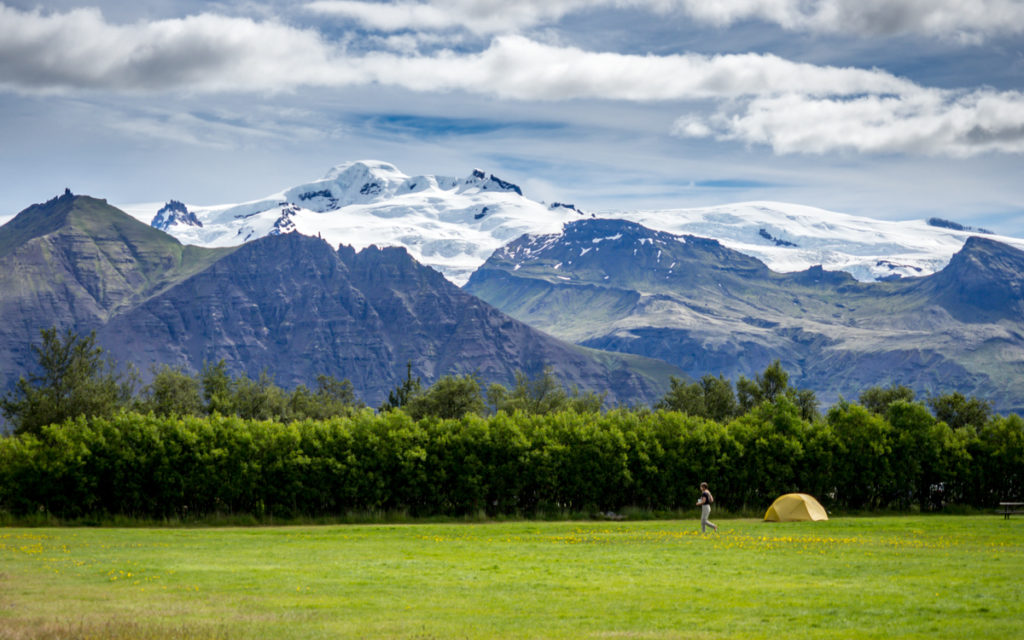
(705, 513)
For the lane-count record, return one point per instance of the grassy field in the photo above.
(892, 577)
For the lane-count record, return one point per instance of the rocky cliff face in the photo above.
(287, 304)
(292, 306)
(283, 304)
(984, 282)
(707, 309)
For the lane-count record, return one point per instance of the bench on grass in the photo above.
(1010, 508)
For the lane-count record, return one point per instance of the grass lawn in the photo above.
(891, 577)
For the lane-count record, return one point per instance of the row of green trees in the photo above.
(87, 443)
(519, 463)
(73, 378)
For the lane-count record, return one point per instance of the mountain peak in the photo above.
(984, 281)
(45, 218)
(85, 218)
(490, 182)
(359, 182)
(600, 250)
(76, 259)
(982, 245)
(174, 213)
(566, 205)
(985, 259)
(448, 223)
(363, 168)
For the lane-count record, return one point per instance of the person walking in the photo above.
(704, 502)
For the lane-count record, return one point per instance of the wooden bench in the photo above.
(1010, 508)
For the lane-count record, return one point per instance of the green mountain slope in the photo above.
(90, 258)
(74, 262)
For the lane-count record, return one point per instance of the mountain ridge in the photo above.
(988, 276)
(709, 309)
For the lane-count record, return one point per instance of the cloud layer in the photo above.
(81, 50)
(968, 20)
(477, 16)
(931, 123)
(210, 53)
(757, 99)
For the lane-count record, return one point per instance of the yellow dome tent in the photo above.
(795, 506)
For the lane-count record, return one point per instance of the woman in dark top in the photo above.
(704, 502)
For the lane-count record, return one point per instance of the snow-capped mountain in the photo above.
(175, 213)
(447, 223)
(455, 224)
(790, 237)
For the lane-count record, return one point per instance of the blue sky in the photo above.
(886, 108)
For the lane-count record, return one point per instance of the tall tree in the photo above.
(771, 385)
(959, 411)
(719, 398)
(542, 394)
(258, 399)
(172, 392)
(218, 388)
(711, 398)
(403, 393)
(449, 397)
(683, 397)
(332, 398)
(877, 399)
(74, 379)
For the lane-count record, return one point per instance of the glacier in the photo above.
(454, 225)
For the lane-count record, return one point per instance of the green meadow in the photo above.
(877, 577)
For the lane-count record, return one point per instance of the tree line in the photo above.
(209, 443)
(73, 378)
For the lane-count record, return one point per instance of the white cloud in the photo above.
(81, 50)
(411, 43)
(515, 67)
(926, 122)
(969, 20)
(477, 16)
(208, 53)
